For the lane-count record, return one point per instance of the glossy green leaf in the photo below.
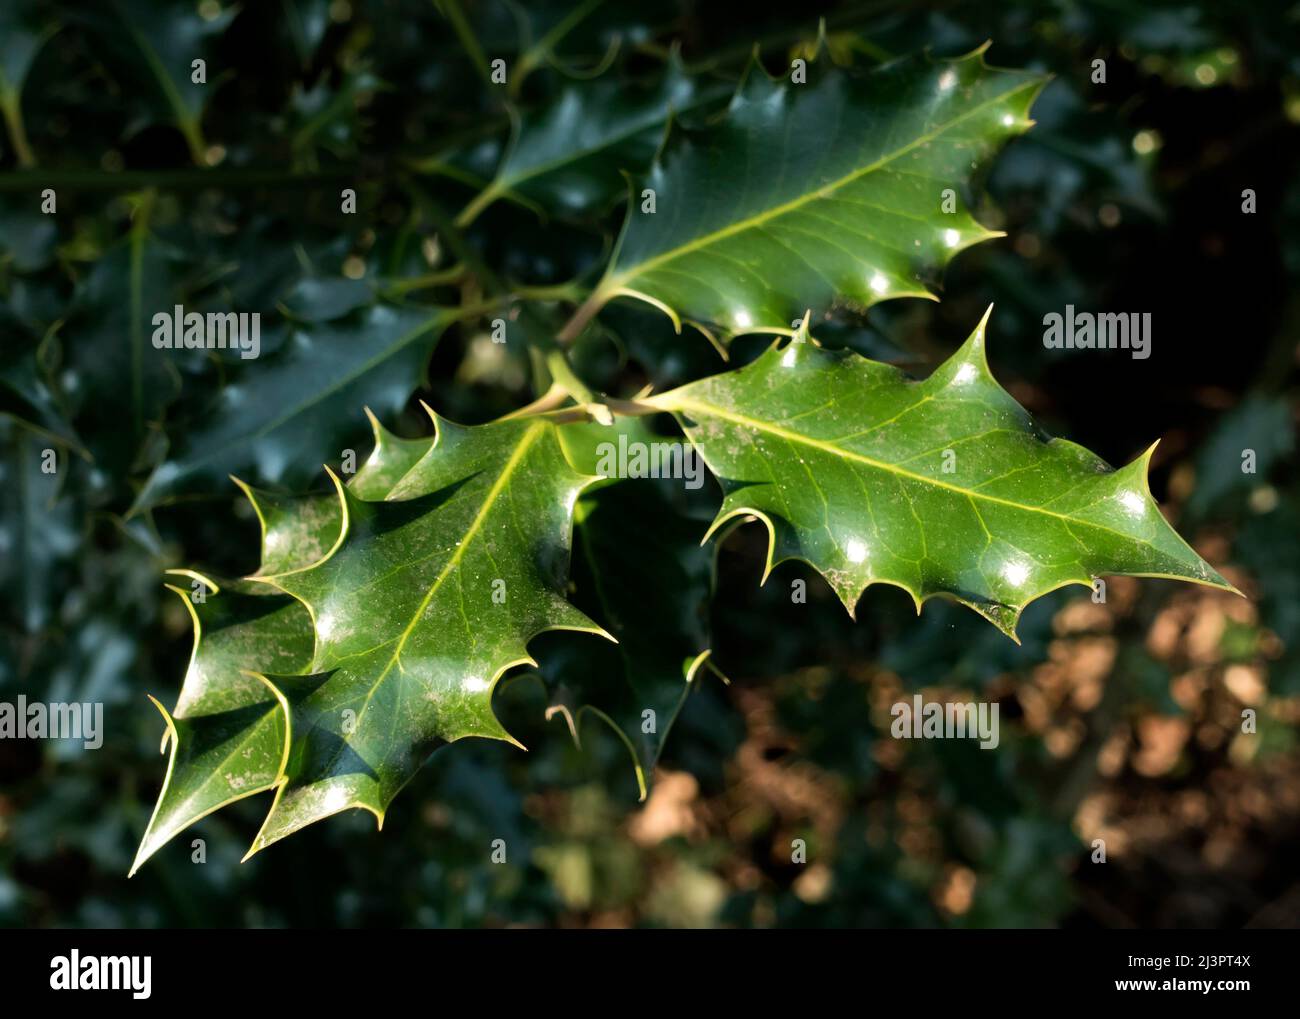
(416, 602)
(287, 413)
(428, 597)
(941, 487)
(569, 157)
(227, 735)
(820, 194)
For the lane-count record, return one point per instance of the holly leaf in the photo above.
(941, 487)
(426, 599)
(843, 191)
(228, 733)
(640, 571)
(569, 157)
(107, 349)
(165, 38)
(283, 419)
(410, 606)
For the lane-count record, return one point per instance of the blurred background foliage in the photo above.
(1120, 721)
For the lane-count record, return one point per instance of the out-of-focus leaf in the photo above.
(569, 157)
(29, 235)
(167, 39)
(23, 390)
(37, 528)
(115, 381)
(24, 27)
(285, 417)
(639, 571)
(321, 299)
(1262, 426)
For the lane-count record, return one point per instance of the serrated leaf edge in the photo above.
(972, 352)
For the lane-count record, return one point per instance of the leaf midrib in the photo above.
(525, 441)
(615, 280)
(686, 403)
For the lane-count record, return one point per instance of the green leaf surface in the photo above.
(570, 156)
(819, 194)
(941, 487)
(116, 383)
(428, 597)
(286, 414)
(37, 528)
(227, 735)
(24, 392)
(641, 572)
(415, 601)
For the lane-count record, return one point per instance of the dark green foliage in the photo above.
(229, 196)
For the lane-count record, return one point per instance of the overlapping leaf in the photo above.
(116, 383)
(570, 156)
(940, 487)
(162, 39)
(639, 570)
(418, 587)
(843, 190)
(283, 419)
(228, 734)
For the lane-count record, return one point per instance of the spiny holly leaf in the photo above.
(640, 571)
(943, 486)
(425, 600)
(414, 590)
(281, 416)
(569, 157)
(228, 732)
(812, 195)
(297, 530)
